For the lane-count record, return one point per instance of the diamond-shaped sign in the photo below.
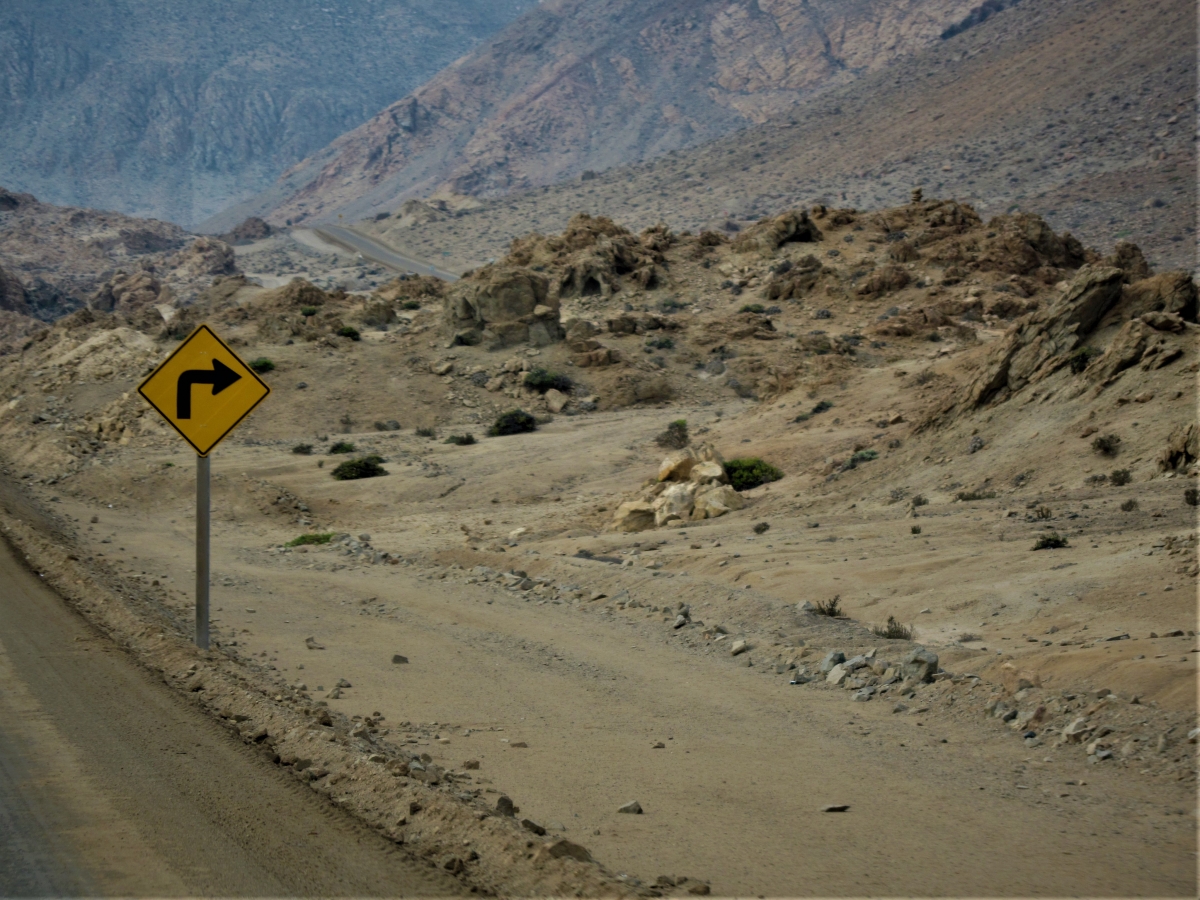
(203, 389)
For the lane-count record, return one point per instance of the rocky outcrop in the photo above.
(250, 230)
(128, 293)
(12, 294)
(691, 486)
(1182, 450)
(769, 235)
(1039, 343)
(1170, 292)
(205, 258)
(500, 306)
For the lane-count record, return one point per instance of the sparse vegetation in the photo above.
(893, 630)
(1129, 505)
(967, 637)
(915, 529)
(831, 608)
(756, 308)
(461, 440)
(1120, 477)
(675, 437)
(1191, 497)
(389, 425)
(262, 365)
(304, 539)
(411, 304)
(660, 343)
(924, 377)
(515, 421)
(426, 433)
(308, 311)
(1050, 541)
(1106, 444)
(750, 472)
(303, 449)
(1082, 358)
(342, 447)
(1043, 512)
(919, 500)
(975, 495)
(364, 467)
(349, 331)
(542, 380)
(762, 527)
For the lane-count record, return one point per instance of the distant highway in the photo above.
(376, 252)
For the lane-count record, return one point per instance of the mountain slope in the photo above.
(1079, 112)
(176, 110)
(579, 84)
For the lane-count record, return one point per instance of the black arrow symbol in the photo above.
(220, 376)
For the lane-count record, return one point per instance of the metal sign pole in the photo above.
(203, 519)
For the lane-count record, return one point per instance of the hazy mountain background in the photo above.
(577, 85)
(176, 109)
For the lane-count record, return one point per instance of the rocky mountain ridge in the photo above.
(576, 86)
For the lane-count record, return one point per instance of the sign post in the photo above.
(203, 418)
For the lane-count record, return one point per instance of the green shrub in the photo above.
(310, 539)
(893, 630)
(303, 449)
(750, 472)
(975, 495)
(515, 421)
(660, 343)
(919, 500)
(821, 407)
(1051, 541)
(541, 380)
(363, 467)
(1106, 444)
(831, 608)
(461, 440)
(752, 308)
(342, 447)
(262, 365)
(1120, 477)
(1082, 358)
(866, 455)
(349, 331)
(915, 529)
(308, 311)
(675, 437)
(411, 304)
(426, 433)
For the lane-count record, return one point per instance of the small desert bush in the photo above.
(1051, 541)
(1081, 358)
(1043, 512)
(831, 608)
(262, 365)
(461, 440)
(975, 495)
(542, 380)
(675, 437)
(303, 449)
(1106, 444)
(411, 304)
(1120, 477)
(966, 637)
(1129, 505)
(349, 331)
(310, 539)
(661, 343)
(426, 433)
(342, 447)
(750, 472)
(308, 311)
(915, 529)
(389, 425)
(364, 467)
(893, 630)
(919, 500)
(762, 527)
(515, 421)
(1191, 497)
(752, 308)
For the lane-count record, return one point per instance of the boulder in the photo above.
(505, 306)
(832, 658)
(556, 400)
(678, 466)
(13, 297)
(708, 473)
(634, 515)
(1170, 292)
(837, 674)
(674, 504)
(1183, 448)
(768, 235)
(714, 501)
(920, 664)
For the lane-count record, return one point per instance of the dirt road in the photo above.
(111, 784)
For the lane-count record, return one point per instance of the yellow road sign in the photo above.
(203, 389)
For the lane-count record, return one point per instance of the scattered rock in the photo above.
(738, 647)
(632, 807)
(836, 807)
(398, 659)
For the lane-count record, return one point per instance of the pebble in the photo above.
(738, 647)
(658, 745)
(530, 825)
(632, 807)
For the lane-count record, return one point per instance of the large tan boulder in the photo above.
(714, 501)
(674, 504)
(708, 473)
(1170, 292)
(766, 236)
(501, 306)
(556, 400)
(677, 466)
(634, 515)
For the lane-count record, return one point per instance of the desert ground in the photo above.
(485, 669)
